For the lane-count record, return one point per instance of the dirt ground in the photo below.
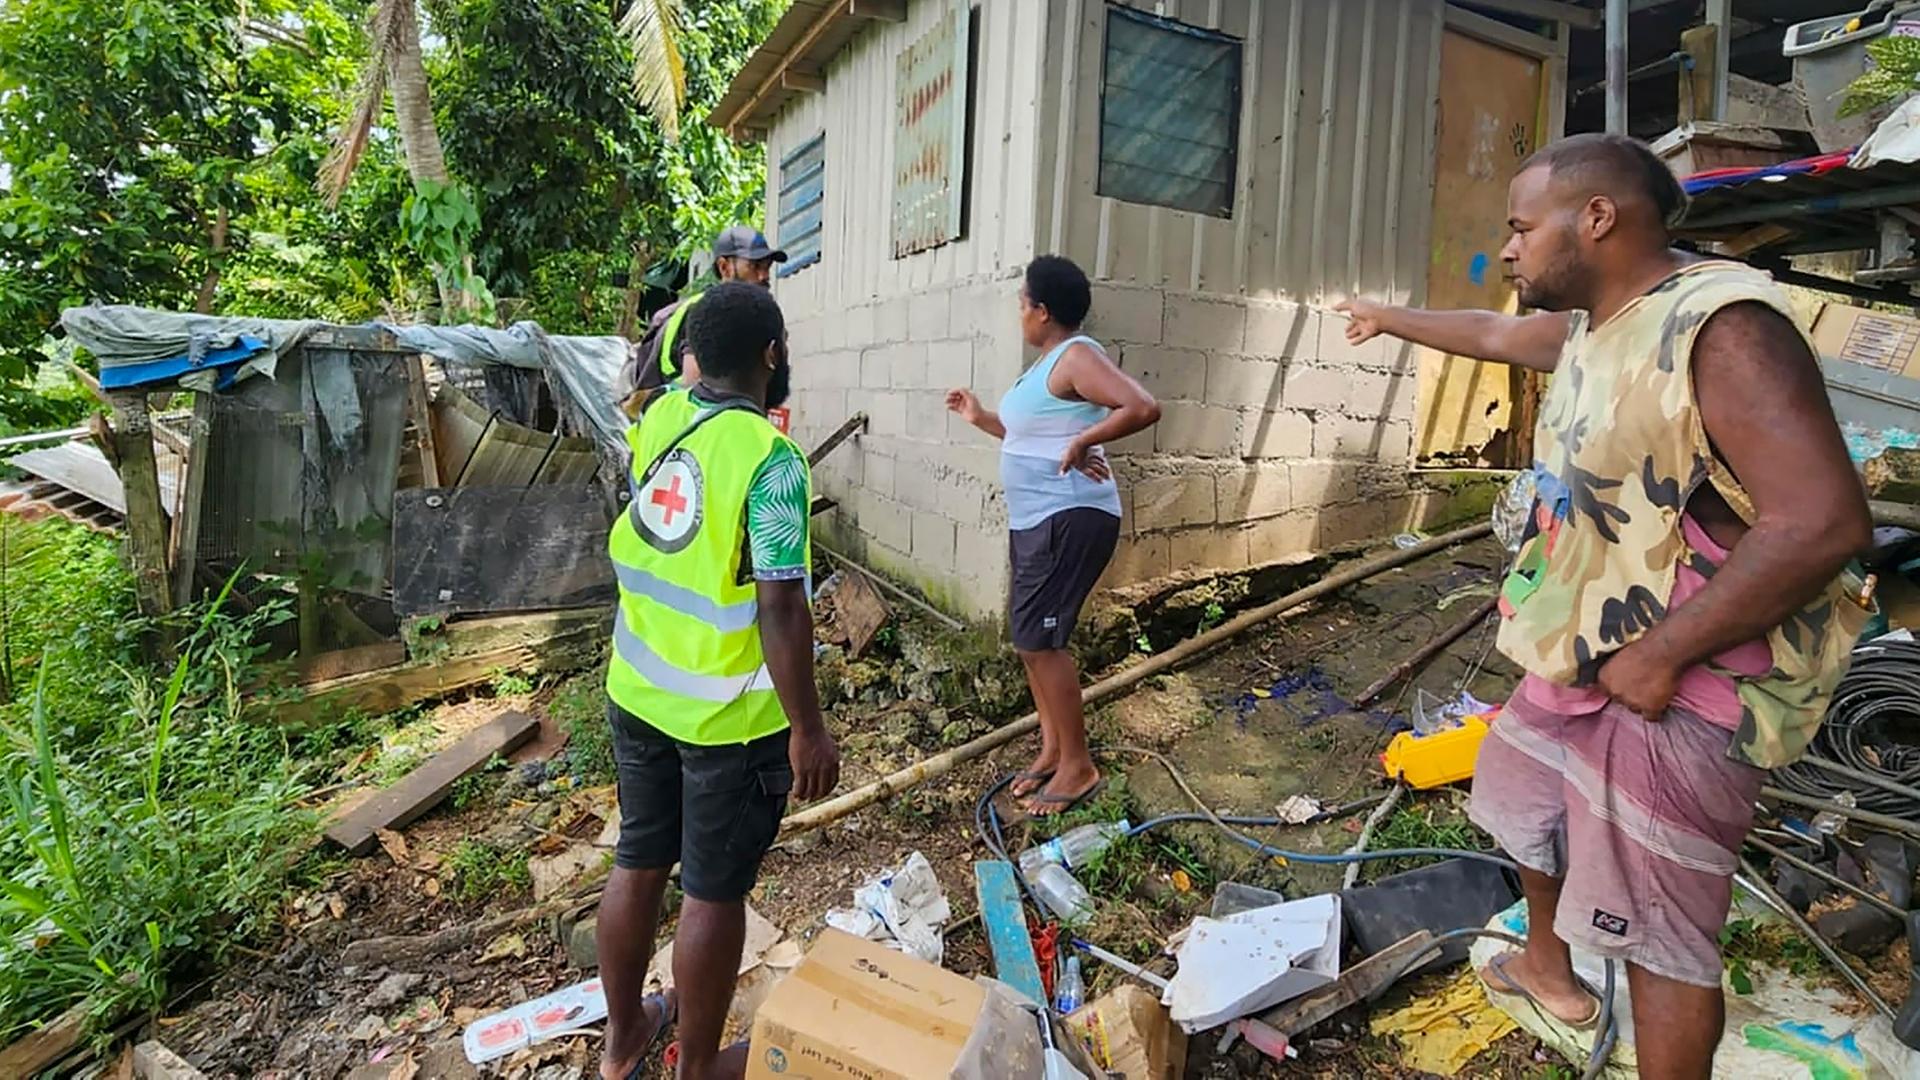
(1248, 726)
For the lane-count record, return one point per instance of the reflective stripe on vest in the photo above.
(670, 334)
(716, 688)
(725, 618)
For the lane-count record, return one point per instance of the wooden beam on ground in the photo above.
(153, 1061)
(186, 527)
(856, 422)
(804, 81)
(1362, 982)
(423, 788)
(39, 1050)
(1013, 960)
(146, 519)
(470, 655)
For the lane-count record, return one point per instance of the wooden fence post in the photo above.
(146, 518)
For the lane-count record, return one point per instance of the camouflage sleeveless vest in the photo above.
(1620, 448)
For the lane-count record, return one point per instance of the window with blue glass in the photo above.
(1169, 113)
(803, 175)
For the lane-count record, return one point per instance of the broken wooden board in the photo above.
(1013, 960)
(520, 548)
(38, 1050)
(1894, 476)
(1361, 982)
(423, 788)
(469, 654)
(860, 612)
(153, 1061)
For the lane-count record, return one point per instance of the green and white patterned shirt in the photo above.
(778, 516)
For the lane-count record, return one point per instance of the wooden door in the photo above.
(1474, 413)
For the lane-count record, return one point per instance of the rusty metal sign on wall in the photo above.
(930, 135)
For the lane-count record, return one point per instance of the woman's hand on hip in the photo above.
(1090, 460)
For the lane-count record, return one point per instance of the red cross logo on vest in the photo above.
(668, 508)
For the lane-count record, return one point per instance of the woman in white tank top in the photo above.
(1063, 510)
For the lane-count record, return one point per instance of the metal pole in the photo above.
(1616, 67)
(1720, 17)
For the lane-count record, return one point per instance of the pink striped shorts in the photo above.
(1643, 822)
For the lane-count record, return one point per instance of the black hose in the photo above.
(1869, 732)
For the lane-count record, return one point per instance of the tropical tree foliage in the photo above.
(264, 157)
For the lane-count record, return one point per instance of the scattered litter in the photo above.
(854, 1008)
(1232, 898)
(1074, 848)
(1247, 962)
(904, 908)
(1445, 1030)
(1128, 1031)
(1299, 809)
(1062, 894)
(521, 1026)
(1181, 882)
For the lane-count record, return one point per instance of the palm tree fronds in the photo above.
(385, 22)
(652, 27)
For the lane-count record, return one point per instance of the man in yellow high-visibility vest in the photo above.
(716, 720)
(740, 253)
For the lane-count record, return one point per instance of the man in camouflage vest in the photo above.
(1678, 600)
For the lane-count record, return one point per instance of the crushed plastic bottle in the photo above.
(1061, 894)
(1074, 848)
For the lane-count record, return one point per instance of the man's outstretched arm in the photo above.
(1765, 408)
(1530, 341)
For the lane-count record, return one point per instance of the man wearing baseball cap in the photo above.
(740, 253)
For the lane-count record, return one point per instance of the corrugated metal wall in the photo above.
(857, 111)
(1336, 148)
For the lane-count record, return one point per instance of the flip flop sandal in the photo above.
(669, 1012)
(1037, 779)
(1062, 804)
(1510, 988)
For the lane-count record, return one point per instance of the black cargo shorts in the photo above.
(713, 809)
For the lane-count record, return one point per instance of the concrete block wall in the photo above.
(1277, 438)
(918, 493)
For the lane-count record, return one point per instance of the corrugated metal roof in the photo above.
(804, 39)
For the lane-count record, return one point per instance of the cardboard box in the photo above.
(1874, 339)
(1128, 1031)
(858, 1009)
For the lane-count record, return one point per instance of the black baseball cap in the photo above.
(745, 242)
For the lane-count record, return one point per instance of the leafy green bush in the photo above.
(479, 869)
(1895, 74)
(144, 828)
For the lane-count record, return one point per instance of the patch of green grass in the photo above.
(1432, 823)
(145, 827)
(477, 869)
(477, 786)
(511, 683)
(580, 708)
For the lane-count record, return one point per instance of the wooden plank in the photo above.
(146, 521)
(1006, 923)
(153, 1061)
(470, 655)
(1361, 982)
(1550, 10)
(424, 787)
(37, 1051)
(860, 611)
(471, 549)
(186, 524)
(343, 662)
(422, 417)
